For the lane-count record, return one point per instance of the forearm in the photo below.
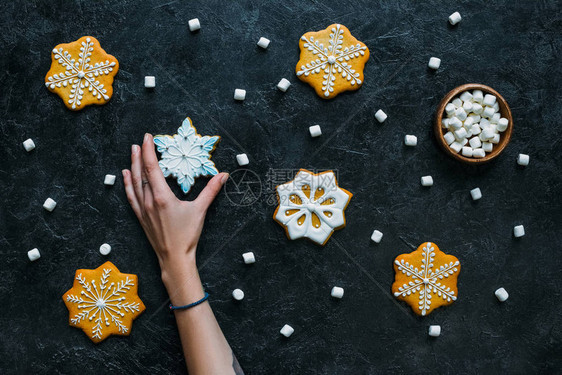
(205, 347)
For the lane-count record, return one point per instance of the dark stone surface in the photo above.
(513, 46)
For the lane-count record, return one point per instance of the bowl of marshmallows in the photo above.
(473, 123)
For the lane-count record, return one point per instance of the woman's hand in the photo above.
(172, 226)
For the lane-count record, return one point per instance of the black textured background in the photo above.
(513, 46)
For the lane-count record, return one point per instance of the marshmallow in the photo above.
(463, 142)
(476, 194)
(249, 257)
(337, 292)
(496, 106)
(434, 63)
(315, 131)
(475, 129)
(457, 102)
(484, 123)
(455, 123)
(445, 123)
(460, 113)
(519, 231)
(149, 82)
(501, 294)
(376, 236)
(242, 159)
(487, 146)
(475, 142)
(523, 159)
(461, 134)
(450, 109)
(478, 153)
(487, 134)
(455, 18)
(477, 108)
(467, 151)
(449, 137)
(109, 179)
(105, 249)
(456, 146)
(466, 96)
(33, 254)
(477, 96)
(284, 84)
(475, 118)
(488, 112)
(495, 118)
(496, 139)
(489, 100)
(238, 294)
(380, 116)
(194, 24)
(410, 140)
(468, 123)
(263, 42)
(434, 331)
(49, 204)
(427, 181)
(239, 94)
(28, 144)
(287, 330)
(467, 106)
(502, 124)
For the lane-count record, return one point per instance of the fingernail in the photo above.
(146, 136)
(224, 178)
(124, 172)
(134, 149)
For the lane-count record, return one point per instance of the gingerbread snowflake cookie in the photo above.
(186, 155)
(332, 61)
(426, 278)
(82, 73)
(311, 206)
(103, 302)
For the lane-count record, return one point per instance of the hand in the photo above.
(172, 226)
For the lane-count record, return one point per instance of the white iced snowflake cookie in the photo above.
(311, 206)
(186, 155)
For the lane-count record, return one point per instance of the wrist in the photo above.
(176, 270)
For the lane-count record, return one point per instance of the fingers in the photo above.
(136, 173)
(130, 191)
(160, 189)
(207, 196)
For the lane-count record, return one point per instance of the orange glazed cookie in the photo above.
(426, 278)
(332, 61)
(82, 73)
(103, 302)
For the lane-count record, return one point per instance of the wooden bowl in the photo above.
(504, 110)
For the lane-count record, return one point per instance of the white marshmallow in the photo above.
(33, 254)
(489, 100)
(239, 94)
(460, 113)
(434, 331)
(477, 108)
(496, 139)
(466, 96)
(457, 102)
(461, 134)
(467, 106)
(495, 118)
(445, 123)
(519, 231)
(337, 292)
(475, 142)
(488, 112)
(455, 18)
(455, 123)
(476, 194)
(249, 257)
(105, 249)
(475, 129)
(475, 118)
(449, 137)
(496, 106)
(523, 159)
(194, 24)
(315, 131)
(242, 159)
(284, 84)
(468, 123)
(450, 109)
(456, 146)
(380, 116)
(501, 294)
(410, 140)
(487, 146)
(487, 134)
(502, 124)
(376, 236)
(484, 123)
(427, 181)
(287, 330)
(477, 96)
(49, 204)
(478, 153)
(28, 144)
(434, 63)
(149, 82)
(263, 42)
(109, 179)
(467, 151)
(464, 142)
(238, 294)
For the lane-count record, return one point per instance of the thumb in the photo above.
(207, 196)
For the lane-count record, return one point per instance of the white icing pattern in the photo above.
(332, 60)
(186, 155)
(425, 281)
(312, 206)
(80, 74)
(103, 302)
